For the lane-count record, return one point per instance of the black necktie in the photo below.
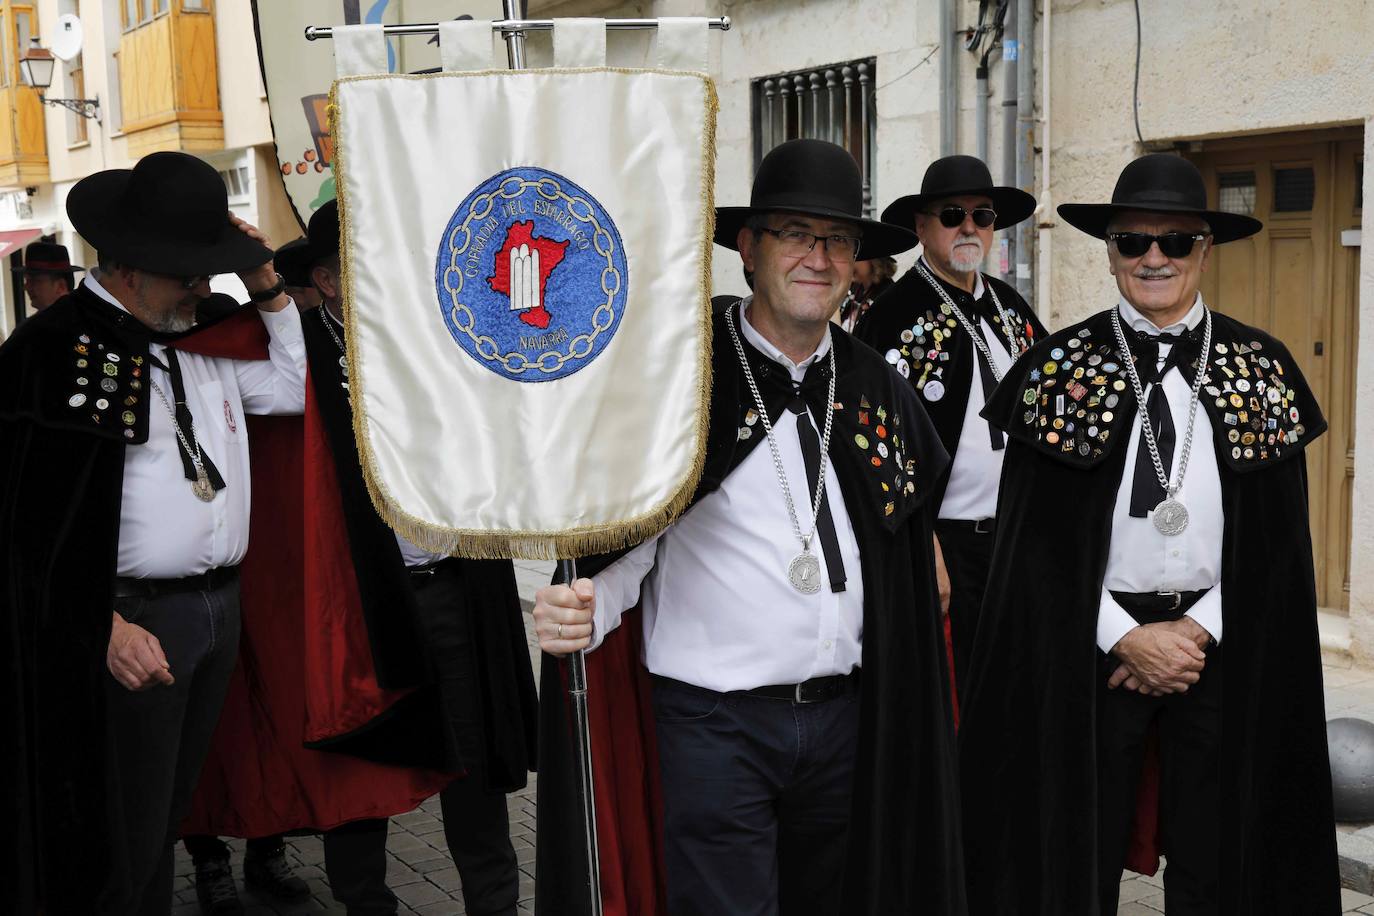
(995, 435)
(825, 525)
(183, 420)
(1146, 490)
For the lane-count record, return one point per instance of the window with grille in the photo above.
(834, 102)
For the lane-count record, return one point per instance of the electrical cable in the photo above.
(916, 67)
(1135, 92)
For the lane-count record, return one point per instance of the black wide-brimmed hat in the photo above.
(961, 176)
(46, 258)
(322, 234)
(1160, 183)
(169, 214)
(814, 178)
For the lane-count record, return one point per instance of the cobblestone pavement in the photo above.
(426, 882)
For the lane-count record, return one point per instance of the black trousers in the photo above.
(161, 735)
(968, 558)
(1189, 727)
(756, 801)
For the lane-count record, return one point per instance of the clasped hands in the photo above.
(1161, 658)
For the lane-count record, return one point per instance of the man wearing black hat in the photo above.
(789, 621)
(449, 629)
(1151, 584)
(124, 463)
(48, 273)
(953, 331)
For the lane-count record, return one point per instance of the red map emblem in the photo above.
(523, 264)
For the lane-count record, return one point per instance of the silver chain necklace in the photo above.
(201, 486)
(1170, 516)
(804, 572)
(1013, 347)
(343, 351)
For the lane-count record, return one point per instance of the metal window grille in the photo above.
(834, 102)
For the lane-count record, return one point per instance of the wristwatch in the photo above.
(272, 292)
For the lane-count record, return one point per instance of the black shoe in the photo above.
(215, 889)
(272, 876)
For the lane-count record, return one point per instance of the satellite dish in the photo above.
(66, 41)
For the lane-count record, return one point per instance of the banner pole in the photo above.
(577, 693)
(577, 662)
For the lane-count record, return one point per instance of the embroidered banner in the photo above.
(526, 264)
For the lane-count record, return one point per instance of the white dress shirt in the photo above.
(976, 473)
(1140, 558)
(165, 531)
(718, 609)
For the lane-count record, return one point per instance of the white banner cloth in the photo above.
(526, 268)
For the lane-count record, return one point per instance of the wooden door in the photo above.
(1298, 280)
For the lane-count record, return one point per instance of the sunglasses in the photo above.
(952, 217)
(1171, 244)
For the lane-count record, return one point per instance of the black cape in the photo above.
(1027, 727)
(73, 394)
(901, 325)
(904, 854)
(409, 734)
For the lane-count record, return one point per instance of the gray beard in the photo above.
(962, 259)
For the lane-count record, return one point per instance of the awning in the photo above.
(14, 239)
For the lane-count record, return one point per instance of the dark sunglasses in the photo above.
(1171, 244)
(952, 217)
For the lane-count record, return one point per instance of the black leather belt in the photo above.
(1154, 607)
(424, 574)
(815, 690)
(974, 526)
(209, 580)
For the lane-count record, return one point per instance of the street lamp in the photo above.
(36, 67)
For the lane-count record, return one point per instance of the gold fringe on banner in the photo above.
(568, 543)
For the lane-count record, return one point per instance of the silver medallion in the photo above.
(1171, 517)
(201, 486)
(804, 572)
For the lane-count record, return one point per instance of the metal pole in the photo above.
(949, 78)
(505, 26)
(577, 662)
(1025, 137)
(577, 693)
(515, 41)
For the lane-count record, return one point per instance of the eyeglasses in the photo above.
(952, 217)
(1171, 244)
(797, 244)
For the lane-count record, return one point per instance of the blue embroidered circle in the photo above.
(531, 275)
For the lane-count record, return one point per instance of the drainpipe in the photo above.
(980, 112)
(1025, 137)
(1046, 215)
(1010, 56)
(949, 78)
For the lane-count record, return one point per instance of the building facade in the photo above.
(168, 75)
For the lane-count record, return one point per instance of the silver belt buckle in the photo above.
(983, 526)
(1175, 594)
(797, 694)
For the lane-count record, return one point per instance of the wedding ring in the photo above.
(560, 631)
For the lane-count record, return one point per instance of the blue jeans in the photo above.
(756, 800)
